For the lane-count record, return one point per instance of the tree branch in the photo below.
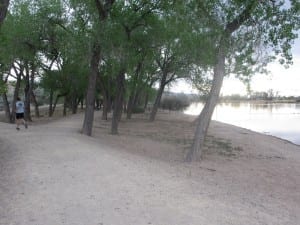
(240, 19)
(3, 10)
(103, 9)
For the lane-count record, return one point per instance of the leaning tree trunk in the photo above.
(91, 90)
(55, 104)
(195, 152)
(203, 121)
(158, 97)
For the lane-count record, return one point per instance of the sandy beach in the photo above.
(51, 174)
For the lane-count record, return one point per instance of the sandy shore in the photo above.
(51, 174)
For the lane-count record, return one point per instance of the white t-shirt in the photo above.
(19, 107)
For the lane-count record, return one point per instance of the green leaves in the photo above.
(61, 32)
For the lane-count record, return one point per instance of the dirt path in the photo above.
(50, 174)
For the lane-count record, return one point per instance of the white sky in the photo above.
(284, 81)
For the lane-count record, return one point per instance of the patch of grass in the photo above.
(221, 147)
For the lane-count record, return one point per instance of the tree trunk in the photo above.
(32, 95)
(6, 108)
(195, 152)
(27, 115)
(16, 95)
(105, 105)
(91, 91)
(203, 121)
(118, 103)
(146, 93)
(158, 97)
(3, 10)
(65, 106)
(81, 103)
(106, 98)
(50, 111)
(133, 91)
(130, 106)
(74, 103)
(36, 105)
(146, 101)
(55, 104)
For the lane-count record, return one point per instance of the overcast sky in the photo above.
(284, 81)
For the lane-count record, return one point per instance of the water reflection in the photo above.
(278, 119)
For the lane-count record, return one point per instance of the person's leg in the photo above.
(22, 120)
(17, 123)
(24, 123)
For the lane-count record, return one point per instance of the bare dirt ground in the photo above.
(50, 174)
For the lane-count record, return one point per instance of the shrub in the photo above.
(174, 102)
(137, 110)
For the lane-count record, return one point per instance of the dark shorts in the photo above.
(19, 115)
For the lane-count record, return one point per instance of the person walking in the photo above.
(20, 108)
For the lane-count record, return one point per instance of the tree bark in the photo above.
(103, 8)
(55, 104)
(133, 91)
(27, 115)
(6, 107)
(158, 96)
(16, 95)
(118, 102)
(3, 10)
(203, 121)
(130, 106)
(36, 105)
(91, 90)
(146, 101)
(105, 91)
(65, 106)
(107, 100)
(105, 105)
(32, 95)
(50, 110)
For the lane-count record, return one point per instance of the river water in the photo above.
(278, 119)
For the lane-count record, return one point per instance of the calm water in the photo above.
(278, 119)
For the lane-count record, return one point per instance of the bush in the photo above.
(174, 102)
(137, 110)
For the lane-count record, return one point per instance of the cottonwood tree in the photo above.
(140, 83)
(136, 20)
(26, 37)
(176, 48)
(101, 15)
(244, 29)
(19, 49)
